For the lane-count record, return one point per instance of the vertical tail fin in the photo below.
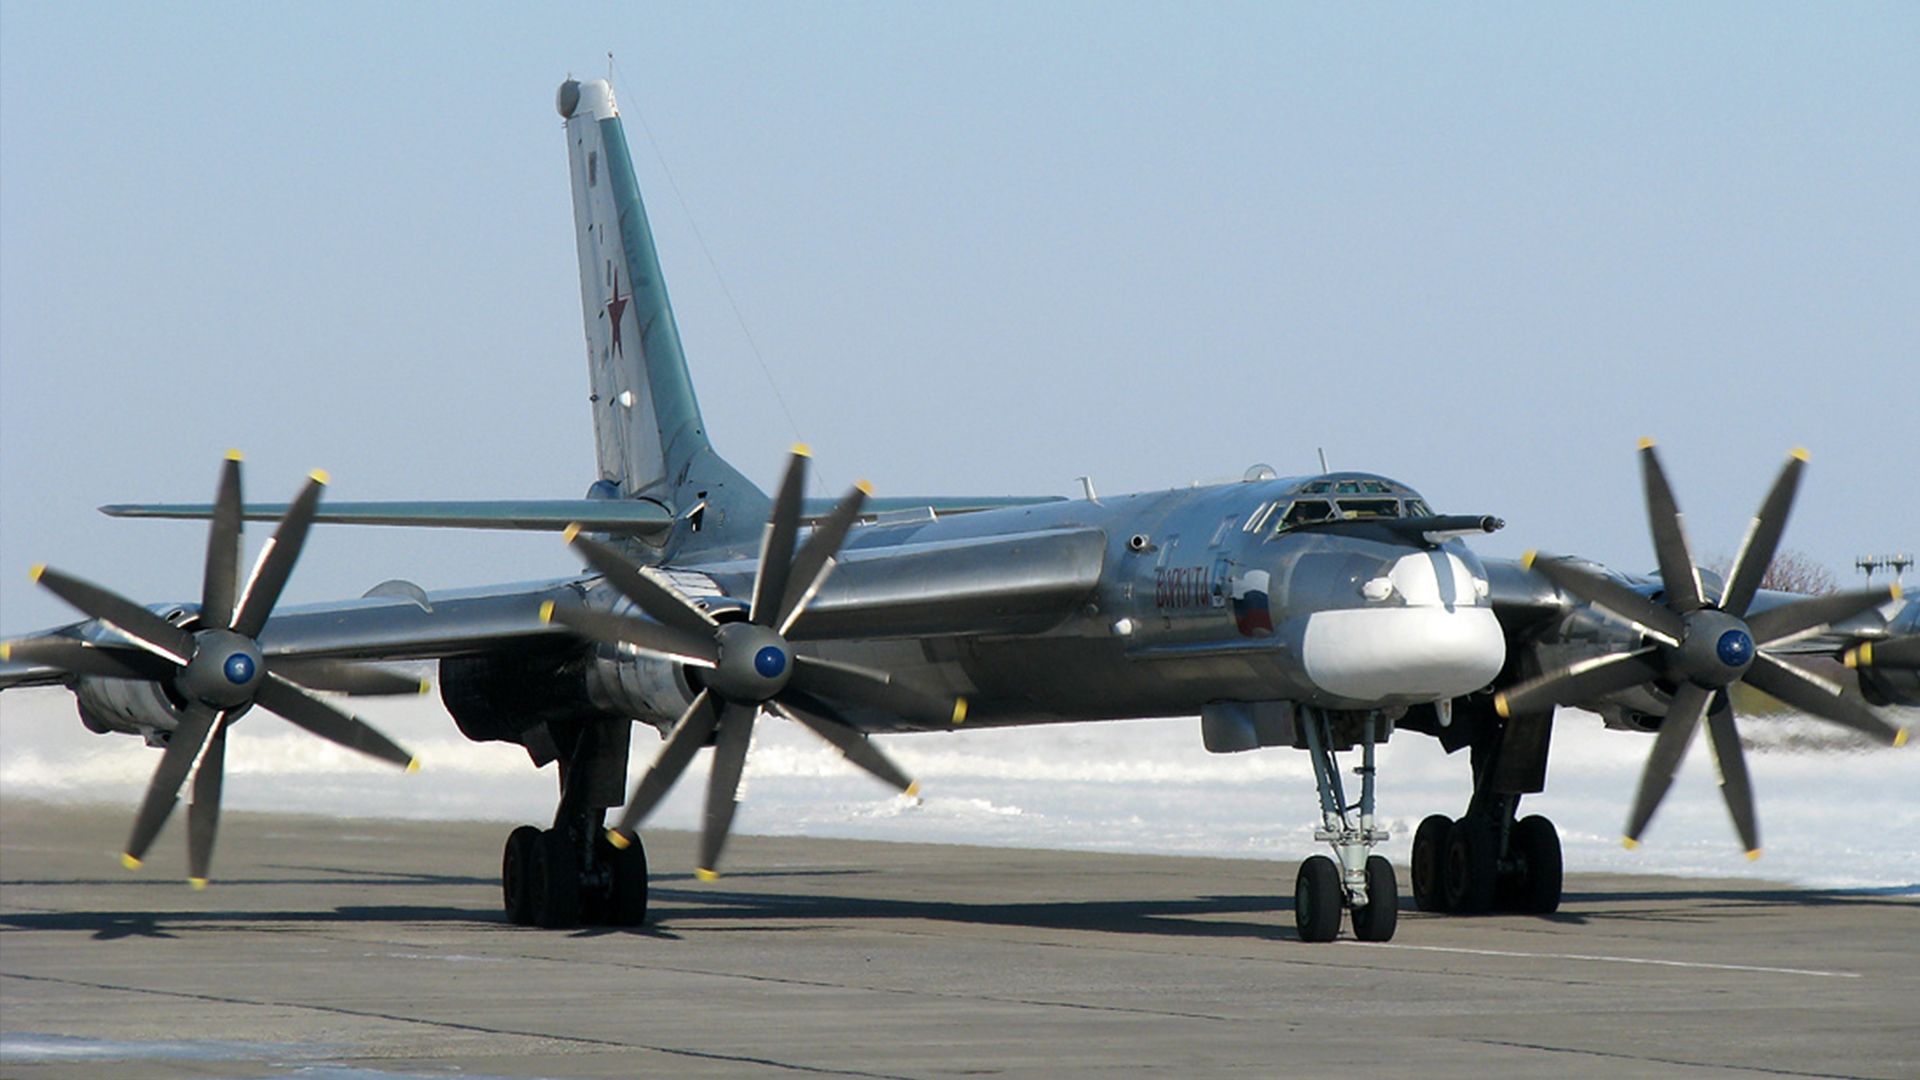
(648, 435)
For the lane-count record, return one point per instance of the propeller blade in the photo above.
(1763, 537)
(347, 677)
(689, 734)
(642, 586)
(1736, 787)
(1678, 575)
(80, 658)
(852, 744)
(1581, 682)
(723, 784)
(1607, 593)
(1818, 697)
(815, 561)
(163, 791)
(1891, 652)
(1676, 731)
(776, 545)
(277, 558)
(203, 813)
(110, 607)
(658, 639)
(875, 690)
(222, 579)
(290, 702)
(1798, 616)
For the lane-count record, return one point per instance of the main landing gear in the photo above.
(1487, 861)
(571, 874)
(1355, 879)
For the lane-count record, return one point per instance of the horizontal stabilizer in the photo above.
(625, 517)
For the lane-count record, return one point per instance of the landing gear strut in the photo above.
(1354, 879)
(571, 874)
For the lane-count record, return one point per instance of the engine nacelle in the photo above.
(127, 707)
(1890, 686)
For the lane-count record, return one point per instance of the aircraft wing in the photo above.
(885, 505)
(620, 517)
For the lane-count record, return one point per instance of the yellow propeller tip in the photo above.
(1500, 706)
(546, 611)
(1851, 658)
(1646, 442)
(1897, 591)
(1900, 738)
(413, 765)
(619, 840)
(705, 874)
(959, 710)
(6, 651)
(1526, 560)
(129, 862)
(320, 476)
(913, 790)
(801, 449)
(567, 534)
(865, 486)
(1753, 855)
(426, 686)
(234, 454)
(197, 883)
(1629, 843)
(1799, 453)
(36, 570)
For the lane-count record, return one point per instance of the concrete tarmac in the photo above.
(360, 950)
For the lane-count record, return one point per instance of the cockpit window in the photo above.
(1369, 508)
(1418, 508)
(1304, 511)
(1347, 487)
(1318, 487)
(1257, 522)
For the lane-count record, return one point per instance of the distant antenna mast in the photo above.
(1867, 564)
(1323, 459)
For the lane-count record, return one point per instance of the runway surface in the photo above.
(354, 950)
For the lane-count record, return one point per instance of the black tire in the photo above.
(1536, 846)
(554, 880)
(626, 900)
(1429, 869)
(1473, 868)
(515, 895)
(1377, 920)
(1317, 899)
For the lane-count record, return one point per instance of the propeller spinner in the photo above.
(218, 669)
(1701, 648)
(745, 668)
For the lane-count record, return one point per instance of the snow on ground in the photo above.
(1831, 814)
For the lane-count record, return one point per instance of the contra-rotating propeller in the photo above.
(1699, 648)
(217, 670)
(746, 667)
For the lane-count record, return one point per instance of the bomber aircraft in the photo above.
(1321, 613)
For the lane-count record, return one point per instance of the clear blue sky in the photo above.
(982, 248)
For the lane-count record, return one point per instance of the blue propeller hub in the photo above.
(754, 663)
(239, 669)
(1717, 650)
(770, 661)
(224, 670)
(1735, 648)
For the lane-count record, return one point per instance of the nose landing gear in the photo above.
(1355, 879)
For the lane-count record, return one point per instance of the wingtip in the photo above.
(620, 840)
(567, 534)
(546, 611)
(1800, 453)
(129, 861)
(320, 476)
(197, 883)
(706, 874)
(1646, 442)
(959, 710)
(234, 454)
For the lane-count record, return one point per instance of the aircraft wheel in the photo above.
(1430, 863)
(1376, 921)
(626, 902)
(1317, 899)
(1536, 844)
(1472, 870)
(554, 881)
(515, 896)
